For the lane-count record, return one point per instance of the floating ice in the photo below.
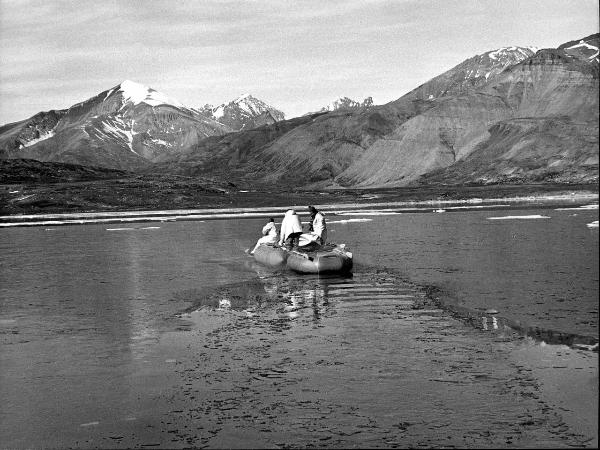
(381, 212)
(349, 220)
(532, 216)
(578, 208)
(7, 321)
(224, 303)
(89, 424)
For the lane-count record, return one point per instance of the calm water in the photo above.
(542, 272)
(94, 299)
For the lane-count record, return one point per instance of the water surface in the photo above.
(83, 308)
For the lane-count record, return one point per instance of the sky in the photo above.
(296, 55)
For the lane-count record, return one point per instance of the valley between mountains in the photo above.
(512, 116)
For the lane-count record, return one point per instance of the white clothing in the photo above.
(319, 226)
(290, 224)
(308, 238)
(269, 232)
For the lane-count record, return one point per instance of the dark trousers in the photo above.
(292, 240)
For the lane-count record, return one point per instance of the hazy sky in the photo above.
(296, 55)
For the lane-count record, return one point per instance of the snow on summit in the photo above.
(505, 51)
(138, 93)
(241, 97)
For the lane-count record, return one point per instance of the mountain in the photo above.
(547, 104)
(243, 113)
(345, 103)
(125, 127)
(508, 115)
(472, 73)
(460, 114)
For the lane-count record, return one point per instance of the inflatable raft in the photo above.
(329, 258)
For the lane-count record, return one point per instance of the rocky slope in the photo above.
(17, 171)
(552, 131)
(434, 127)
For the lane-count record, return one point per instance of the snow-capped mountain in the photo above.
(125, 127)
(513, 114)
(487, 121)
(346, 103)
(244, 112)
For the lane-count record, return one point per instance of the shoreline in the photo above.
(118, 195)
(406, 206)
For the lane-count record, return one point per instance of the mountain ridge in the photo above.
(125, 127)
(510, 114)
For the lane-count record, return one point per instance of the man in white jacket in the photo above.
(291, 229)
(269, 232)
(318, 227)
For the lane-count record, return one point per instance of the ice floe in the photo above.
(132, 228)
(90, 424)
(367, 213)
(349, 220)
(579, 208)
(531, 216)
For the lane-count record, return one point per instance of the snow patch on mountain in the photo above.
(218, 112)
(118, 130)
(41, 137)
(584, 44)
(161, 142)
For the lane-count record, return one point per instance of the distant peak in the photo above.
(131, 84)
(242, 97)
(138, 93)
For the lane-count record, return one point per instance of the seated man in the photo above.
(291, 229)
(269, 232)
(318, 229)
